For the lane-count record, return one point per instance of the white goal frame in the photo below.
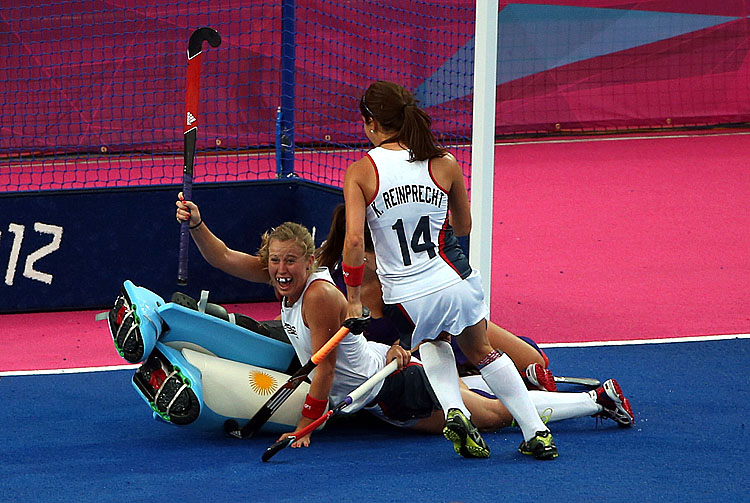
(483, 141)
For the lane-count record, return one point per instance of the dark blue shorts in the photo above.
(407, 395)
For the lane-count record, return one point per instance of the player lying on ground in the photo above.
(389, 326)
(388, 321)
(312, 310)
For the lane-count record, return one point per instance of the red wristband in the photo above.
(353, 275)
(313, 408)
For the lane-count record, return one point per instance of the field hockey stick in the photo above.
(587, 382)
(231, 427)
(355, 395)
(358, 393)
(190, 131)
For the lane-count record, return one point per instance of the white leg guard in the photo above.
(439, 364)
(505, 382)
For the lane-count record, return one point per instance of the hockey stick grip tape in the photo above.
(326, 348)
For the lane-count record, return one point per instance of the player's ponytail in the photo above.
(396, 110)
(416, 133)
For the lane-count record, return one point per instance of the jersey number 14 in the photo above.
(421, 241)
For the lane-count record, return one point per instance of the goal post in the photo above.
(483, 140)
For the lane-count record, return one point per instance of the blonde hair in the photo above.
(288, 231)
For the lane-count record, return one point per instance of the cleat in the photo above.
(124, 328)
(465, 437)
(539, 378)
(542, 446)
(614, 404)
(167, 390)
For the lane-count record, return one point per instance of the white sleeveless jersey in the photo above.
(356, 358)
(415, 248)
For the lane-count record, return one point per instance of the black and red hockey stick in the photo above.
(355, 395)
(273, 404)
(231, 427)
(358, 393)
(192, 93)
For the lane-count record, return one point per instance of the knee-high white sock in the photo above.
(559, 406)
(505, 382)
(549, 406)
(439, 364)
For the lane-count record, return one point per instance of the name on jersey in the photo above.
(412, 194)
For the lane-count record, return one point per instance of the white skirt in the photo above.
(450, 310)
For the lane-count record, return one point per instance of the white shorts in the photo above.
(451, 309)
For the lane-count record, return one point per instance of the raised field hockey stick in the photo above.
(192, 93)
(231, 427)
(358, 393)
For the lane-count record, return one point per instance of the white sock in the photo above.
(559, 406)
(439, 364)
(550, 406)
(505, 382)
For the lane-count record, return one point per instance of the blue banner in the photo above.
(73, 249)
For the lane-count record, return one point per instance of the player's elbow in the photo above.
(354, 242)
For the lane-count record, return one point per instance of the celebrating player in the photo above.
(412, 194)
(312, 310)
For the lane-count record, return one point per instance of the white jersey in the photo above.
(415, 249)
(356, 358)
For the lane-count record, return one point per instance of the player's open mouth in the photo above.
(282, 282)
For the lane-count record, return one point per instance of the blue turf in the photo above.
(89, 437)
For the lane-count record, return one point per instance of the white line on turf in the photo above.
(632, 342)
(697, 338)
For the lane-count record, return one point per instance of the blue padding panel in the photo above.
(73, 249)
(223, 339)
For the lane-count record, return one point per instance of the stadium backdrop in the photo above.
(93, 97)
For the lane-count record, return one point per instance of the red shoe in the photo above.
(539, 378)
(614, 404)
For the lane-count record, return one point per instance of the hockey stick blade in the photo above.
(587, 382)
(232, 428)
(195, 44)
(278, 446)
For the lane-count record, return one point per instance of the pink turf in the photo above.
(597, 240)
(74, 339)
(622, 238)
